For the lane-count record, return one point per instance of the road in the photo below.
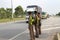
(19, 30)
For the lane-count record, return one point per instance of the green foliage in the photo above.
(19, 11)
(2, 13)
(43, 13)
(25, 12)
(7, 13)
(58, 14)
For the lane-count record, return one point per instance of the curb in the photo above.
(58, 36)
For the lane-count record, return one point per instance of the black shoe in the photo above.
(37, 36)
(32, 39)
(39, 33)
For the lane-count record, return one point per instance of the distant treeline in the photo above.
(7, 13)
(58, 14)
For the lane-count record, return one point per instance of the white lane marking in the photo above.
(17, 35)
(26, 30)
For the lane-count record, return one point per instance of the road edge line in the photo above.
(17, 35)
(26, 30)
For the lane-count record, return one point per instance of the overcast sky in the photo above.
(49, 6)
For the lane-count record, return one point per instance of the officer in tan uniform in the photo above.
(39, 26)
(31, 20)
(36, 25)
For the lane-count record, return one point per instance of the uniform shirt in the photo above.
(31, 20)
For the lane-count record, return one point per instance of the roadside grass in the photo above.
(10, 20)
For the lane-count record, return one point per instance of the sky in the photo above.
(49, 6)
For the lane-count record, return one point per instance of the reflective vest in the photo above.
(37, 18)
(31, 20)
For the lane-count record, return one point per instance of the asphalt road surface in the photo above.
(19, 30)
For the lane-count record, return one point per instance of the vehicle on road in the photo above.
(44, 15)
(32, 8)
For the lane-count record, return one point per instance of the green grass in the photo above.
(10, 20)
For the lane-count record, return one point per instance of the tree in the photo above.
(25, 12)
(43, 13)
(5, 13)
(9, 12)
(58, 14)
(19, 11)
(2, 13)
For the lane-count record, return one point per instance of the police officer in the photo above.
(39, 26)
(32, 37)
(36, 25)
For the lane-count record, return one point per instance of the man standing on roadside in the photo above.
(36, 25)
(39, 26)
(31, 20)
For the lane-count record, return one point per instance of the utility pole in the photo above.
(12, 8)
